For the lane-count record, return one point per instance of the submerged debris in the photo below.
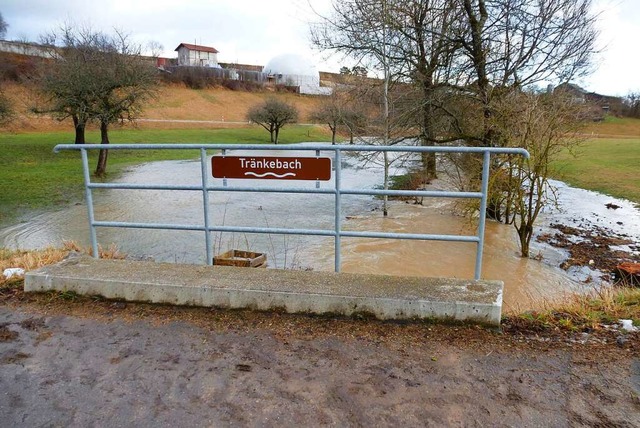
(596, 247)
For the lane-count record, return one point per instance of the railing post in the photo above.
(486, 158)
(338, 212)
(89, 197)
(205, 203)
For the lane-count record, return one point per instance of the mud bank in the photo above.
(128, 366)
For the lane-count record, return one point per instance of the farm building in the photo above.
(197, 55)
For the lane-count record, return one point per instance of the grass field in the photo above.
(606, 165)
(608, 161)
(32, 177)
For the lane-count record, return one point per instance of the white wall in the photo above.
(197, 58)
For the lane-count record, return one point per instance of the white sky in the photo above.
(254, 31)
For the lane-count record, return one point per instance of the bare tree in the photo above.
(96, 77)
(465, 60)
(340, 109)
(546, 125)
(409, 41)
(273, 115)
(155, 48)
(632, 105)
(328, 112)
(512, 44)
(128, 82)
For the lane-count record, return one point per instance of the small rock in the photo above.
(119, 305)
(621, 340)
(612, 206)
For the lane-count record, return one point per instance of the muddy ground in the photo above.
(83, 362)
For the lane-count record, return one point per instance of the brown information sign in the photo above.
(270, 167)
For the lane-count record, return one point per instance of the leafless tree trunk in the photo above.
(101, 168)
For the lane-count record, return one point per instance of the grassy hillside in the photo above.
(173, 102)
(614, 127)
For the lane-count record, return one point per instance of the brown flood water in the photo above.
(528, 283)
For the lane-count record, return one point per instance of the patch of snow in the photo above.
(627, 325)
(11, 272)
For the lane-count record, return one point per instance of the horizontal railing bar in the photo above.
(272, 189)
(424, 193)
(165, 226)
(369, 192)
(285, 231)
(274, 230)
(133, 186)
(240, 229)
(418, 236)
(296, 147)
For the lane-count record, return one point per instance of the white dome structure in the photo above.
(291, 64)
(295, 70)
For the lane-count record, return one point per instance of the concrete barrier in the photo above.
(382, 296)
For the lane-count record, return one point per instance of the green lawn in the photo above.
(610, 166)
(32, 177)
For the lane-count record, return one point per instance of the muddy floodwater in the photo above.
(528, 282)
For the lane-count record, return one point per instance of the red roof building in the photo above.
(197, 55)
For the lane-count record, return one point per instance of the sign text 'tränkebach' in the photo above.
(271, 167)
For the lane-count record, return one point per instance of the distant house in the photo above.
(577, 93)
(602, 103)
(197, 55)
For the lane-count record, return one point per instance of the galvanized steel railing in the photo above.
(337, 231)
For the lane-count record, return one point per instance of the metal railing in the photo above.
(337, 233)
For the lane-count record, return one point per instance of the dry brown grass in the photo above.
(217, 104)
(34, 259)
(583, 312)
(173, 102)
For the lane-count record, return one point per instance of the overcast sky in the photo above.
(254, 31)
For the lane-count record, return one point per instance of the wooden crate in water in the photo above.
(241, 258)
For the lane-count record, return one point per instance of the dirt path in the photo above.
(111, 364)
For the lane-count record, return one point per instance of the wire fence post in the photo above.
(338, 213)
(486, 157)
(205, 203)
(89, 196)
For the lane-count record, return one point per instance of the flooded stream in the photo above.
(527, 281)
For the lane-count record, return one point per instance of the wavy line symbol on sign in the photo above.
(287, 174)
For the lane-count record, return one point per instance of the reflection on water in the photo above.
(525, 280)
